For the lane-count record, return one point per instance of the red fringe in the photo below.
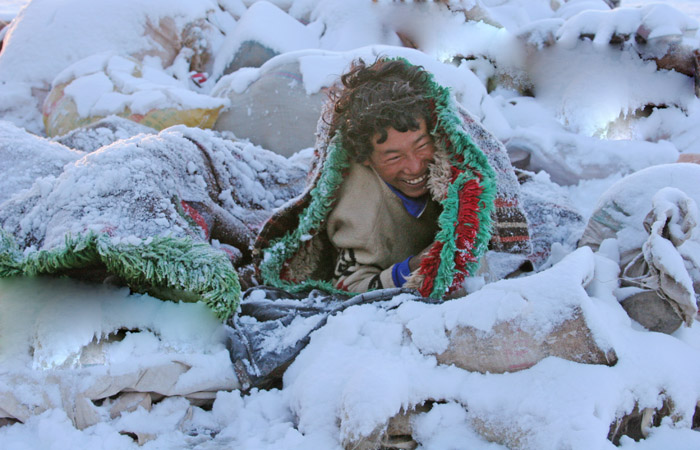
(429, 267)
(466, 229)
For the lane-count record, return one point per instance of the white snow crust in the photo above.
(541, 75)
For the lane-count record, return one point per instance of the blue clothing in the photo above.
(400, 271)
(414, 206)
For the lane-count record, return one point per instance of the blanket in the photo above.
(472, 179)
(170, 214)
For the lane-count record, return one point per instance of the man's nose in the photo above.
(414, 164)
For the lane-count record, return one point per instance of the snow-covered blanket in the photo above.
(170, 214)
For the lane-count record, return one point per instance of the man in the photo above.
(400, 194)
(384, 218)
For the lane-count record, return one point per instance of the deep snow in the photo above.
(584, 131)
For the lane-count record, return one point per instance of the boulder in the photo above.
(275, 111)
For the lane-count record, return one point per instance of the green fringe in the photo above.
(191, 268)
(448, 128)
(322, 200)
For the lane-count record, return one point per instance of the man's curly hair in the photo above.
(390, 93)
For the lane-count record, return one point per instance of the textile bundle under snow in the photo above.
(105, 84)
(652, 216)
(146, 212)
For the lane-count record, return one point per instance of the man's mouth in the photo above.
(416, 181)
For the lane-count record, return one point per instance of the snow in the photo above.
(268, 25)
(593, 87)
(85, 28)
(596, 118)
(10, 8)
(105, 84)
(547, 402)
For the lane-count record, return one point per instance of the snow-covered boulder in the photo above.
(275, 110)
(263, 31)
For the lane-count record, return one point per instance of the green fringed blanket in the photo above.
(170, 214)
(472, 179)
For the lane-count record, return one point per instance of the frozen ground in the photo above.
(585, 128)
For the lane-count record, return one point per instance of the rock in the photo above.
(397, 434)
(510, 348)
(274, 111)
(652, 312)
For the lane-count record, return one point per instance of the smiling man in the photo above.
(384, 218)
(406, 190)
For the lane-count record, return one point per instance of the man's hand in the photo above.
(415, 261)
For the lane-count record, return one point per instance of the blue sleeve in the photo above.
(400, 271)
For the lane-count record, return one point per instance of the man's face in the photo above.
(402, 160)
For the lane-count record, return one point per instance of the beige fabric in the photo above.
(372, 231)
(663, 263)
(653, 216)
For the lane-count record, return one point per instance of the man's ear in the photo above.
(366, 162)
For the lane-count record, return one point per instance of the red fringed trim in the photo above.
(522, 238)
(455, 172)
(429, 267)
(466, 230)
(284, 273)
(501, 202)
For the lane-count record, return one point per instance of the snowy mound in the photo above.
(595, 101)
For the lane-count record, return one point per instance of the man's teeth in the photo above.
(417, 180)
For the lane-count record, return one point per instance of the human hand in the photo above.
(415, 261)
